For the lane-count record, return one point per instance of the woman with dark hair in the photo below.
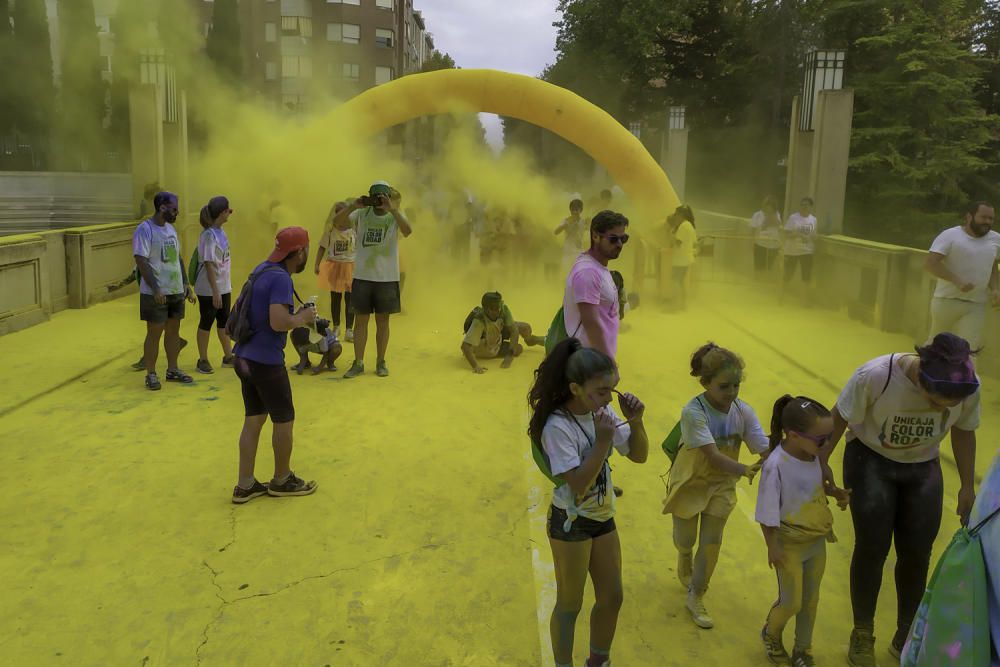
(213, 283)
(575, 427)
(766, 225)
(899, 407)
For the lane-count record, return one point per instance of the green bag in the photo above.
(557, 332)
(194, 266)
(952, 625)
(542, 461)
(672, 443)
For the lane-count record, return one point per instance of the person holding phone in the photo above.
(377, 223)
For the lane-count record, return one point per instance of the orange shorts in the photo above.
(336, 276)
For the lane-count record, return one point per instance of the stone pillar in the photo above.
(175, 150)
(674, 161)
(145, 105)
(799, 164)
(830, 155)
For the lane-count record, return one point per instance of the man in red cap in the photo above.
(260, 365)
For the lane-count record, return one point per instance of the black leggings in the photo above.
(335, 302)
(792, 262)
(891, 501)
(209, 313)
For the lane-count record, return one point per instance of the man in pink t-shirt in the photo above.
(590, 303)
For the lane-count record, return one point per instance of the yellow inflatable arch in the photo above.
(525, 98)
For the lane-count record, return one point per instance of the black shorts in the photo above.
(210, 313)
(266, 390)
(154, 313)
(369, 297)
(581, 530)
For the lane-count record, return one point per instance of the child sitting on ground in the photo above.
(491, 332)
(320, 338)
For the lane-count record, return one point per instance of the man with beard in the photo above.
(590, 302)
(964, 260)
(260, 365)
(163, 286)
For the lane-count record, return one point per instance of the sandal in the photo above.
(152, 382)
(177, 375)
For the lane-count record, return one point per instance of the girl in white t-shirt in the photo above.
(793, 515)
(701, 488)
(213, 284)
(766, 225)
(899, 408)
(576, 427)
(335, 268)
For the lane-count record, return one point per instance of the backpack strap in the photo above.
(979, 526)
(888, 377)
(267, 269)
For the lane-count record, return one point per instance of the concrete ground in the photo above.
(425, 542)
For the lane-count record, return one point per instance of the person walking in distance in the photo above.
(964, 261)
(260, 365)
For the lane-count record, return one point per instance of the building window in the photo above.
(384, 4)
(296, 26)
(384, 38)
(635, 129)
(293, 67)
(334, 32)
(271, 71)
(351, 33)
(351, 71)
(344, 2)
(270, 32)
(383, 75)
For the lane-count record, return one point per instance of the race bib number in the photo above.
(374, 236)
(168, 252)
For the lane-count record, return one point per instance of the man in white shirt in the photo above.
(964, 260)
(378, 223)
(800, 241)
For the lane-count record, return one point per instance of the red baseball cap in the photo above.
(288, 240)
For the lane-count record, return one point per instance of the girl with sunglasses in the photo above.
(793, 515)
(575, 426)
(898, 409)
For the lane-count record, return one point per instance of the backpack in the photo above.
(194, 266)
(557, 331)
(478, 314)
(672, 444)
(542, 461)
(952, 625)
(238, 324)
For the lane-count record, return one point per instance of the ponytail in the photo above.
(205, 218)
(568, 362)
(794, 413)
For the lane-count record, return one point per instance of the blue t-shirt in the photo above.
(267, 346)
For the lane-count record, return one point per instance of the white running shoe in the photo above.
(698, 612)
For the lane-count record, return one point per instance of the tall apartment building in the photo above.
(295, 50)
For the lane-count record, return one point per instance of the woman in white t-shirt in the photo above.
(213, 284)
(766, 225)
(800, 241)
(335, 268)
(685, 249)
(576, 428)
(899, 408)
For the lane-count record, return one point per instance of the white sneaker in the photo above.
(349, 336)
(698, 612)
(684, 569)
(336, 333)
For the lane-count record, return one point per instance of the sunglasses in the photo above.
(964, 384)
(616, 238)
(818, 439)
(620, 395)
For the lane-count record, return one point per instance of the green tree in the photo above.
(920, 133)
(33, 90)
(223, 42)
(82, 90)
(438, 61)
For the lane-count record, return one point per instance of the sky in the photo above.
(510, 35)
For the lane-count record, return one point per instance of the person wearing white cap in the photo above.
(377, 222)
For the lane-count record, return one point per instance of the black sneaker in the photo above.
(153, 382)
(227, 362)
(204, 367)
(139, 365)
(241, 495)
(293, 486)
